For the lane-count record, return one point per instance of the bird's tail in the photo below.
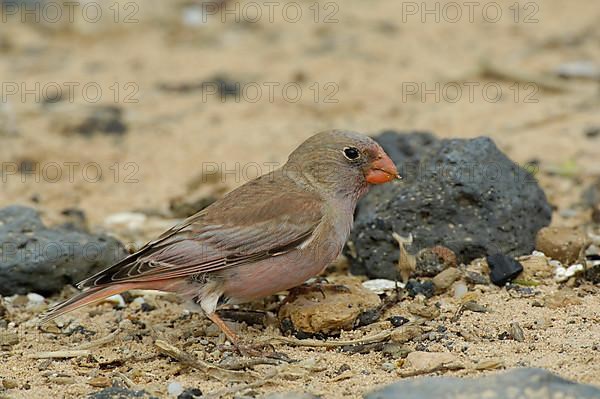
(84, 298)
(96, 294)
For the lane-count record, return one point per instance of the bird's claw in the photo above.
(321, 286)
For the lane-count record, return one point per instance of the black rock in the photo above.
(398, 321)
(416, 287)
(120, 393)
(367, 317)
(503, 269)
(190, 393)
(464, 194)
(35, 258)
(524, 383)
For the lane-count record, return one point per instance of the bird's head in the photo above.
(342, 161)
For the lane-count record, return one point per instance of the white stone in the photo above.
(175, 389)
(35, 299)
(381, 285)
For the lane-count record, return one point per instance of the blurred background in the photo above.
(122, 106)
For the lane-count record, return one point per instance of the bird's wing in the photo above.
(254, 222)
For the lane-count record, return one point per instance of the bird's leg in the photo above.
(321, 285)
(248, 351)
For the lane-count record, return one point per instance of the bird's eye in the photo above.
(351, 153)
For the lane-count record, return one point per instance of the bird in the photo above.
(269, 235)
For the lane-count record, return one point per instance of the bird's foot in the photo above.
(321, 285)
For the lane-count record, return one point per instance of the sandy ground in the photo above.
(358, 73)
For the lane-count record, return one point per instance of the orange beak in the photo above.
(382, 170)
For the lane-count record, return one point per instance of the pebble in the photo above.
(175, 389)
(426, 311)
(503, 269)
(100, 382)
(8, 339)
(430, 360)
(445, 279)
(562, 243)
(9, 383)
(417, 287)
(476, 278)
(35, 299)
(398, 321)
(561, 274)
(190, 393)
(516, 332)
(535, 266)
(395, 350)
(405, 334)
(312, 313)
(131, 221)
(433, 261)
(460, 290)
(116, 300)
(382, 285)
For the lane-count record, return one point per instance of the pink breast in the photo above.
(280, 273)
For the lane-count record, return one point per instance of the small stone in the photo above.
(8, 339)
(382, 285)
(175, 389)
(476, 278)
(120, 393)
(431, 360)
(337, 310)
(62, 380)
(426, 311)
(460, 290)
(491, 364)
(146, 307)
(190, 393)
(35, 299)
(503, 269)
(516, 332)
(405, 334)
(474, 307)
(397, 321)
(561, 274)
(395, 350)
(116, 300)
(100, 382)
(416, 287)
(593, 272)
(445, 279)
(433, 261)
(562, 243)
(535, 267)
(9, 383)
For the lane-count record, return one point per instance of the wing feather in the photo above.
(254, 222)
